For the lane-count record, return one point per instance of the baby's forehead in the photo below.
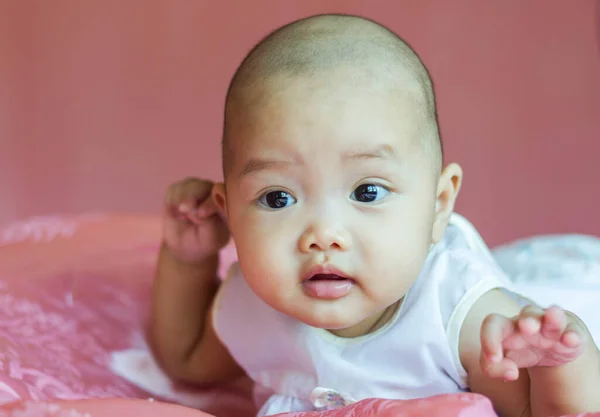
(304, 120)
(318, 113)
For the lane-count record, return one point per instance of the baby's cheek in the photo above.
(265, 254)
(397, 257)
(270, 274)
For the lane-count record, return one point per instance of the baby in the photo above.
(355, 279)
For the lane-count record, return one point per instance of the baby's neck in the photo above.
(370, 324)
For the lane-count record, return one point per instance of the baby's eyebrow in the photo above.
(259, 164)
(254, 165)
(380, 152)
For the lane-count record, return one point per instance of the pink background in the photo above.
(103, 103)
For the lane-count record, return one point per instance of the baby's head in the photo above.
(332, 161)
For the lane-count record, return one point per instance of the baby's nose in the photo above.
(325, 238)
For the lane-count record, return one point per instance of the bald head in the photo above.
(319, 44)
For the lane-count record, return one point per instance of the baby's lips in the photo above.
(328, 289)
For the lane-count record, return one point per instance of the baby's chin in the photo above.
(343, 325)
(347, 321)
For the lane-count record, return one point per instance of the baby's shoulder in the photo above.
(460, 269)
(462, 253)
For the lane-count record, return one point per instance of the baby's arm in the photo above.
(562, 362)
(182, 335)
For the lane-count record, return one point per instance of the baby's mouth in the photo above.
(327, 286)
(327, 277)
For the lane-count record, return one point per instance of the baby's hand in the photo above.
(536, 337)
(193, 228)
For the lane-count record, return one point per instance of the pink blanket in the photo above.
(73, 290)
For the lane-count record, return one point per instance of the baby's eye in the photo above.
(369, 193)
(276, 200)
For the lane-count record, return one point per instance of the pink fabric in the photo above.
(97, 408)
(468, 405)
(73, 290)
(464, 405)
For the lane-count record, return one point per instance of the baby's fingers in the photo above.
(530, 320)
(205, 209)
(573, 338)
(554, 324)
(186, 199)
(494, 330)
(505, 369)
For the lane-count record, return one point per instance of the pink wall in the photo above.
(103, 103)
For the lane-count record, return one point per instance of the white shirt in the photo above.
(414, 355)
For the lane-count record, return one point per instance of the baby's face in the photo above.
(330, 199)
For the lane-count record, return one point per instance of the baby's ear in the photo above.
(447, 191)
(219, 196)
